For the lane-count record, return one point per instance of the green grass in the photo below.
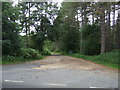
(15, 60)
(109, 59)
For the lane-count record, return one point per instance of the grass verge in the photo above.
(109, 59)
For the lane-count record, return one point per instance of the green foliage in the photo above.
(108, 59)
(10, 29)
(6, 47)
(71, 40)
(37, 41)
(46, 52)
(48, 47)
(11, 58)
(30, 53)
(63, 35)
(91, 40)
(7, 59)
(66, 29)
(25, 54)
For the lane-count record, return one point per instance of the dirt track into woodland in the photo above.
(54, 62)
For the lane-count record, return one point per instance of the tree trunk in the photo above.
(26, 32)
(118, 29)
(102, 18)
(93, 17)
(108, 35)
(81, 39)
(81, 48)
(113, 29)
(84, 22)
(85, 13)
(29, 26)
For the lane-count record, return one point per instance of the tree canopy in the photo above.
(88, 28)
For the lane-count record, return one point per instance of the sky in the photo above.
(59, 4)
(15, 2)
(59, 1)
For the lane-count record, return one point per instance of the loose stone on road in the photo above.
(59, 72)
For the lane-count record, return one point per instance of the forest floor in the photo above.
(59, 72)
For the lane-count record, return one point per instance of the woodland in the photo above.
(32, 30)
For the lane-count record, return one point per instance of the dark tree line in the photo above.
(79, 27)
(96, 24)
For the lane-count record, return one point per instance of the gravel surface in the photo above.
(59, 72)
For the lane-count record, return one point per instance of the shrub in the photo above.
(90, 43)
(26, 54)
(11, 58)
(7, 59)
(109, 57)
(46, 52)
(30, 53)
(6, 47)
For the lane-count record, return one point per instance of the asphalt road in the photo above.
(58, 72)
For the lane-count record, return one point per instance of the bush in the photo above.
(11, 58)
(30, 53)
(110, 57)
(6, 47)
(7, 59)
(26, 54)
(46, 52)
(91, 44)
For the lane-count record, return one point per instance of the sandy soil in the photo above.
(53, 62)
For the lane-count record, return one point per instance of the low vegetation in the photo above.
(14, 59)
(109, 59)
(26, 54)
